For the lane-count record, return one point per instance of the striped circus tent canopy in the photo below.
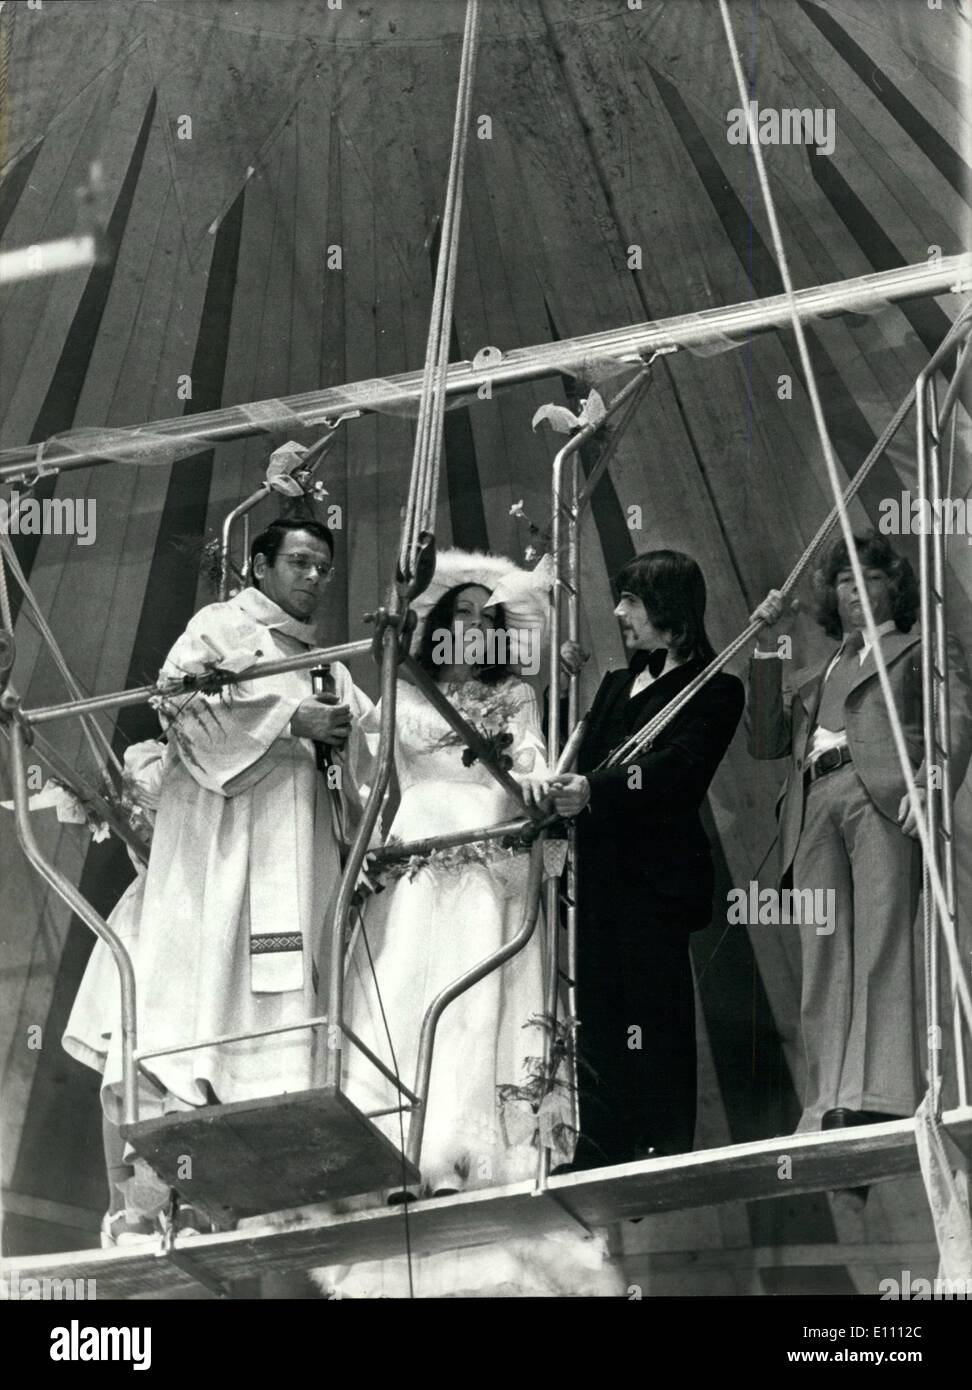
(272, 179)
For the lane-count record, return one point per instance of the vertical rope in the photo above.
(98, 741)
(823, 434)
(6, 42)
(6, 614)
(639, 741)
(426, 459)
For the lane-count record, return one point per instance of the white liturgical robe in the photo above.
(243, 874)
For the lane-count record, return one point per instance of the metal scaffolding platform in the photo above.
(314, 1236)
(292, 1149)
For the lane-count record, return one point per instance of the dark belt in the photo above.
(827, 762)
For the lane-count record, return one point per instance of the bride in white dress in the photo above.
(432, 924)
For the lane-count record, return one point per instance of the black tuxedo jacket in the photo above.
(644, 857)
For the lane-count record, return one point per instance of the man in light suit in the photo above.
(846, 824)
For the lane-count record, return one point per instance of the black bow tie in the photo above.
(655, 661)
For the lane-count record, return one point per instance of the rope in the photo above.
(401, 1120)
(6, 40)
(6, 615)
(934, 877)
(639, 742)
(98, 741)
(419, 513)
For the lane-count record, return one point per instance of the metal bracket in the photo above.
(187, 1265)
(565, 1207)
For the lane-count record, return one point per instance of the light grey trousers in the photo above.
(859, 1004)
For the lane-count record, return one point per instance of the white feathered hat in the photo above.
(524, 594)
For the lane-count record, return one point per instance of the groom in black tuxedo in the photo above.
(645, 875)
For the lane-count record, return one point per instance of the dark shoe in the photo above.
(398, 1199)
(850, 1119)
(446, 1192)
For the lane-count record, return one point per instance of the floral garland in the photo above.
(451, 859)
(74, 809)
(211, 680)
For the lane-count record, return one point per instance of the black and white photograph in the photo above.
(485, 646)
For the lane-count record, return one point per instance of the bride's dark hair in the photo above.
(440, 619)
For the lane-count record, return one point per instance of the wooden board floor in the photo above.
(314, 1236)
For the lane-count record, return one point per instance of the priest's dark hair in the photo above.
(874, 552)
(268, 542)
(440, 619)
(672, 588)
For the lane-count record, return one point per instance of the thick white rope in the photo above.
(423, 490)
(6, 613)
(640, 741)
(934, 878)
(98, 741)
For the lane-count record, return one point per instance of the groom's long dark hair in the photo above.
(672, 588)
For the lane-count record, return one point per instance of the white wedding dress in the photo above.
(423, 932)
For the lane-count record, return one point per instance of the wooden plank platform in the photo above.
(288, 1150)
(318, 1235)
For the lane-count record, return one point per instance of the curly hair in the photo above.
(874, 552)
(440, 619)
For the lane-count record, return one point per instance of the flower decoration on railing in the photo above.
(452, 859)
(72, 807)
(539, 537)
(564, 421)
(541, 1111)
(177, 714)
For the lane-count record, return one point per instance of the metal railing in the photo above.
(930, 426)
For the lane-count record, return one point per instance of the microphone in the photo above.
(322, 683)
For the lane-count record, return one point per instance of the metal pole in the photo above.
(423, 1068)
(568, 756)
(470, 736)
(736, 322)
(223, 1038)
(632, 396)
(225, 568)
(955, 385)
(376, 1061)
(65, 773)
(83, 909)
(573, 712)
(396, 854)
(943, 711)
(932, 802)
(388, 630)
(171, 689)
(552, 884)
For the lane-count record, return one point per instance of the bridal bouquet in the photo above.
(490, 710)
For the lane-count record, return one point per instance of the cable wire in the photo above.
(846, 527)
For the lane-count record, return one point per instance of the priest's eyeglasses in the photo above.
(304, 564)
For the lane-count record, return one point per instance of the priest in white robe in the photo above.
(245, 862)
